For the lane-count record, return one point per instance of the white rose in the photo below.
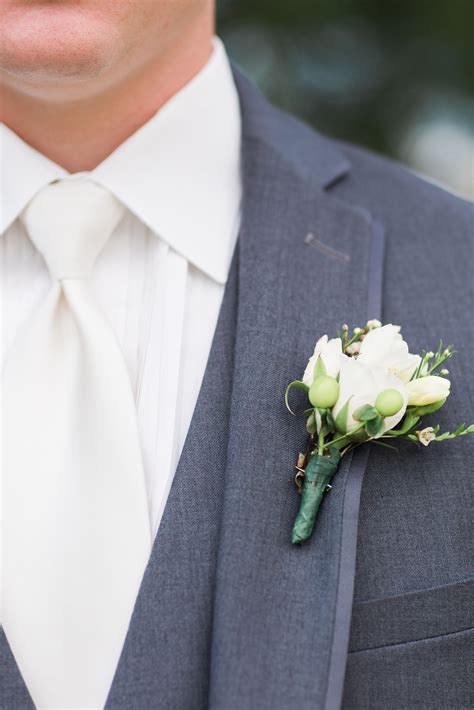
(330, 352)
(427, 390)
(385, 347)
(361, 384)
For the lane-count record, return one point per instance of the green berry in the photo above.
(324, 392)
(389, 402)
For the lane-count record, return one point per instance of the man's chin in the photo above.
(55, 43)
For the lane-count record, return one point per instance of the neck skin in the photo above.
(78, 129)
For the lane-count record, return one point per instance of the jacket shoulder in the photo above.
(414, 210)
(388, 186)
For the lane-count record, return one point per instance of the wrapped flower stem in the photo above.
(318, 474)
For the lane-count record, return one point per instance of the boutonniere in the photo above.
(364, 387)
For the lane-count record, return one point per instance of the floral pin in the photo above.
(364, 387)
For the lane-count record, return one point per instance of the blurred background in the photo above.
(396, 76)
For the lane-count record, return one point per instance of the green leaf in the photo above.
(330, 420)
(342, 443)
(319, 368)
(296, 384)
(327, 422)
(341, 419)
(311, 424)
(373, 427)
(408, 422)
(365, 413)
(427, 409)
(460, 431)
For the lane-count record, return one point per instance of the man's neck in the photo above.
(78, 133)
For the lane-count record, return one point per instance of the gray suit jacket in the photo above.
(374, 612)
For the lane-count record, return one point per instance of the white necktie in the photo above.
(76, 531)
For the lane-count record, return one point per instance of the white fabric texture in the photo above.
(160, 277)
(76, 525)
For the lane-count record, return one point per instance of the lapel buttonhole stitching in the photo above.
(325, 249)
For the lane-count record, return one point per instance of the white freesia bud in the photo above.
(427, 390)
(425, 436)
(357, 331)
(331, 354)
(372, 324)
(385, 347)
(361, 384)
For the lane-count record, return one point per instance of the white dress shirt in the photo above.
(161, 276)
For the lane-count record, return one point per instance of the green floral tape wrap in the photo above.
(318, 474)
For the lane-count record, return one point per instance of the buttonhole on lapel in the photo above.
(325, 249)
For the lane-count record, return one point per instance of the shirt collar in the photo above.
(24, 172)
(179, 173)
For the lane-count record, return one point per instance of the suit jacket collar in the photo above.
(313, 157)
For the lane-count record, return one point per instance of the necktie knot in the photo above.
(69, 223)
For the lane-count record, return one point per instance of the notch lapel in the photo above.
(282, 613)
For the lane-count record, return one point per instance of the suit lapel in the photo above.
(13, 691)
(308, 263)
